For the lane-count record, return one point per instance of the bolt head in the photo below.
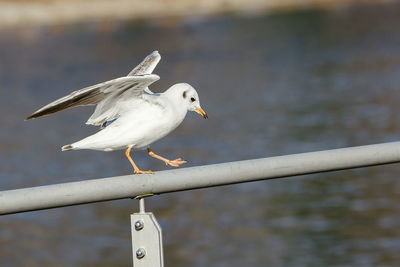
(140, 253)
(139, 225)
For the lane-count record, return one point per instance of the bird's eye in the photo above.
(192, 99)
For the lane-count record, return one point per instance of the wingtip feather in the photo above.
(67, 147)
(32, 116)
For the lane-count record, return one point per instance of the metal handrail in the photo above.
(96, 190)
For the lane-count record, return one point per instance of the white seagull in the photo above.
(130, 115)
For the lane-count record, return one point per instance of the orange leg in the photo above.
(176, 162)
(135, 168)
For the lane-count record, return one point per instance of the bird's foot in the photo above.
(176, 162)
(142, 172)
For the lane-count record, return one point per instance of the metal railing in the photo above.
(129, 186)
(96, 190)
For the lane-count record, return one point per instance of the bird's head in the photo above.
(189, 97)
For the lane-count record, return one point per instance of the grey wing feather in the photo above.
(103, 93)
(147, 66)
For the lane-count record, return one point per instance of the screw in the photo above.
(139, 225)
(140, 253)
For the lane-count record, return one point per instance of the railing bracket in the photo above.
(146, 238)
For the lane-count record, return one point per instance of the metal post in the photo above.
(147, 245)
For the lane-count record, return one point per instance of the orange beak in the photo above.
(201, 112)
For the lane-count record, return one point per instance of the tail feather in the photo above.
(67, 147)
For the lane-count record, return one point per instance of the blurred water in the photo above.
(272, 85)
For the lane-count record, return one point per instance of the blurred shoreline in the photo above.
(44, 12)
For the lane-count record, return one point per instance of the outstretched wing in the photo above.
(100, 94)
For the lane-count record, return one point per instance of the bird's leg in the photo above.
(176, 162)
(135, 168)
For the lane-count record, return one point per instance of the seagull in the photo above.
(129, 114)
